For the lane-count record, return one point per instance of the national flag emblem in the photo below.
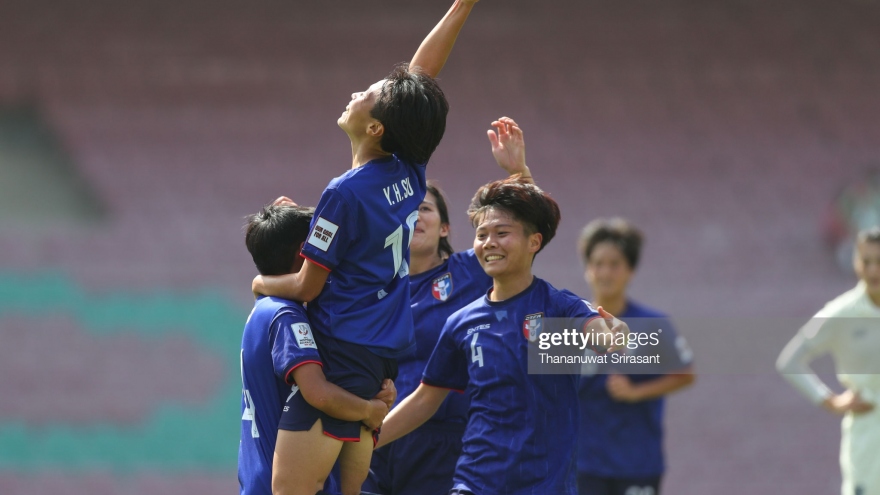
(532, 326)
(442, 287)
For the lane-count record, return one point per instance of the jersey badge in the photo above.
(303, 334)
(323, 233)
(532, 326)
(442, 287)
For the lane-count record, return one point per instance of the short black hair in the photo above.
(444, 248)
(273, 236)
(412, 109)
(617, 231)
(526, 202)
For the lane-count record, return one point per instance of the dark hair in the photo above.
(412, 109)
(273, 237)
(871, 234)
(444, 247)
(526, 202)
(617, 231)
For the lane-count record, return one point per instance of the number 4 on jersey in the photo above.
(476, 351)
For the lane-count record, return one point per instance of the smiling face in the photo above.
(429, 229)
(356, 120)
(608, 271)
(503, 246)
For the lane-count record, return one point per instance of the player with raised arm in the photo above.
(522, 427)
(279, 357)
(846, 328)
(441, 282)
(356, 274)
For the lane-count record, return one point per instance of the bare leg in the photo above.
(303, 460)
(354, 463)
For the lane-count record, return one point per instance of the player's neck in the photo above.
(503, 288)
(365, 151)
(614, 304)
(421, 264)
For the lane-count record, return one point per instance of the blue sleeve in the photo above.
(293, 345)
(447, 367)
(333, 230)
(575, 307)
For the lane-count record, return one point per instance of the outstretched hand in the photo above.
(509, 147)
(616, 327)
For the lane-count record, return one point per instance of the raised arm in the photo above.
(434, 50)
(509, 148)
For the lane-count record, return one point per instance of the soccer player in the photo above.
(441, 282)
(521, 430)
(846, 328)
(620, 448)
(279, 358)
(356, 272)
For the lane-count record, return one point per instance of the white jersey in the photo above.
(848, 328)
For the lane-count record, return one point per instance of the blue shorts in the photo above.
(421, 462)
(351, 367)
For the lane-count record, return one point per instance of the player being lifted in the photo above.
(441, 282)
(521, 430)
(355, 276)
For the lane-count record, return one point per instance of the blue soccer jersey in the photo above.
(625, 440)
(436, 295)
(361, 233)
(276, 340)
(521, 430)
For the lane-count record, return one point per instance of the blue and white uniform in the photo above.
(619, 440)
(522, 428)
(423, 461)
(277, 339)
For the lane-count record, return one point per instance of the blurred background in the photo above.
(135, 137)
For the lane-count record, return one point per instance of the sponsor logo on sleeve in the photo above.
(303, 334)
(323, 234)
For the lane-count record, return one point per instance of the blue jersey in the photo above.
(276, 340)
(361, 233)
(619, 439)
(521, 430)
(435, 295)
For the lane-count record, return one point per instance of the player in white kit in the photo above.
(848, 328)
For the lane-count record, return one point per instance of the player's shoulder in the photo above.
(279, 306)
(465, 259)
(561, 302)
(470, 311)
(851, 301)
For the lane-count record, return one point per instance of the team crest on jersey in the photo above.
(532, 326)
(442, 287)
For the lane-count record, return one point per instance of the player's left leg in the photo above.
(354, 463)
